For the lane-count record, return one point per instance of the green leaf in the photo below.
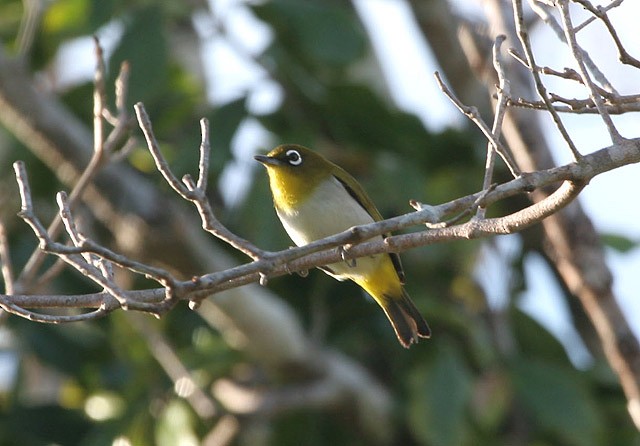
(319, 32)
(11, 12)
(618, 242)
(143, 44)
(558, 400)
(350, 110)
(27, 426)
(67, 17)
(440, 396)
(66, 348)
(535, 341)
(101, 12)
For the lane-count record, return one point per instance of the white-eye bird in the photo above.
(315, 198)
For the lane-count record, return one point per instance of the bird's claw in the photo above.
(351, 263)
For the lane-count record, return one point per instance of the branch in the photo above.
(571, 242)
(523, 36)
(619, 106)
(578, 54)
(473, 114)
(355, 242)
(504, 92)
(5, 261)
(601, 13)
(541, 9)
(194, 192)
(134, 209)
(102, 152)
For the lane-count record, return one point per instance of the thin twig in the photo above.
(191, 191)
(154, 148)
(610, 6)
(10, 307)
(121, 89)
(473, 114)
(99, 98)
(205, 150)
(504, 92)
(577, 52)
(577, 106)
(76, 256)
(92, 251)
(541, 8)
(523, 36)
(101, 155)
(29, 25)
(601, 13)
(122, 123)
(5, 261)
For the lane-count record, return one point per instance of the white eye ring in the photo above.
(293, 157)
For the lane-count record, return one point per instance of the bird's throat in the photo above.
(289, 191)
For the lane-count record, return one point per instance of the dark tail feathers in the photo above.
(406, 320)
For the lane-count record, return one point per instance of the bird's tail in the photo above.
(405, 318)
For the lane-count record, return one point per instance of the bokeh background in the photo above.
(512, 360)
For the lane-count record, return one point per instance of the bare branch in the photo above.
(205, 150)
(586, 79)
(188, 190)
(610, 6)
(625, 104)
(474, 116)
(99, 98)
(601, 13)
(523, 36)
(29, 25)
(101, 155)
(504, 92)
(5, 261)
(7, 304)
(571, 242)
(542, 10)
(323, 252)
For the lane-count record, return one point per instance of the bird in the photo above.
(315, 198)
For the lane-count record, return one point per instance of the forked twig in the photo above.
(102, 153)
(473, 114)
(504, 92)
(529, 61)
(577, 52)
(192, 191)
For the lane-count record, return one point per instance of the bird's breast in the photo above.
(327, 210)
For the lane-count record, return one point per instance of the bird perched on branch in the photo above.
(315, 198)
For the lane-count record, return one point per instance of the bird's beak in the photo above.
(267, 160)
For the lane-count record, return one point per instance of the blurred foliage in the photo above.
(90, 383)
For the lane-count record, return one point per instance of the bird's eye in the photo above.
(293, 157)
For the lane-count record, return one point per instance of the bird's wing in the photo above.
(359, 194)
